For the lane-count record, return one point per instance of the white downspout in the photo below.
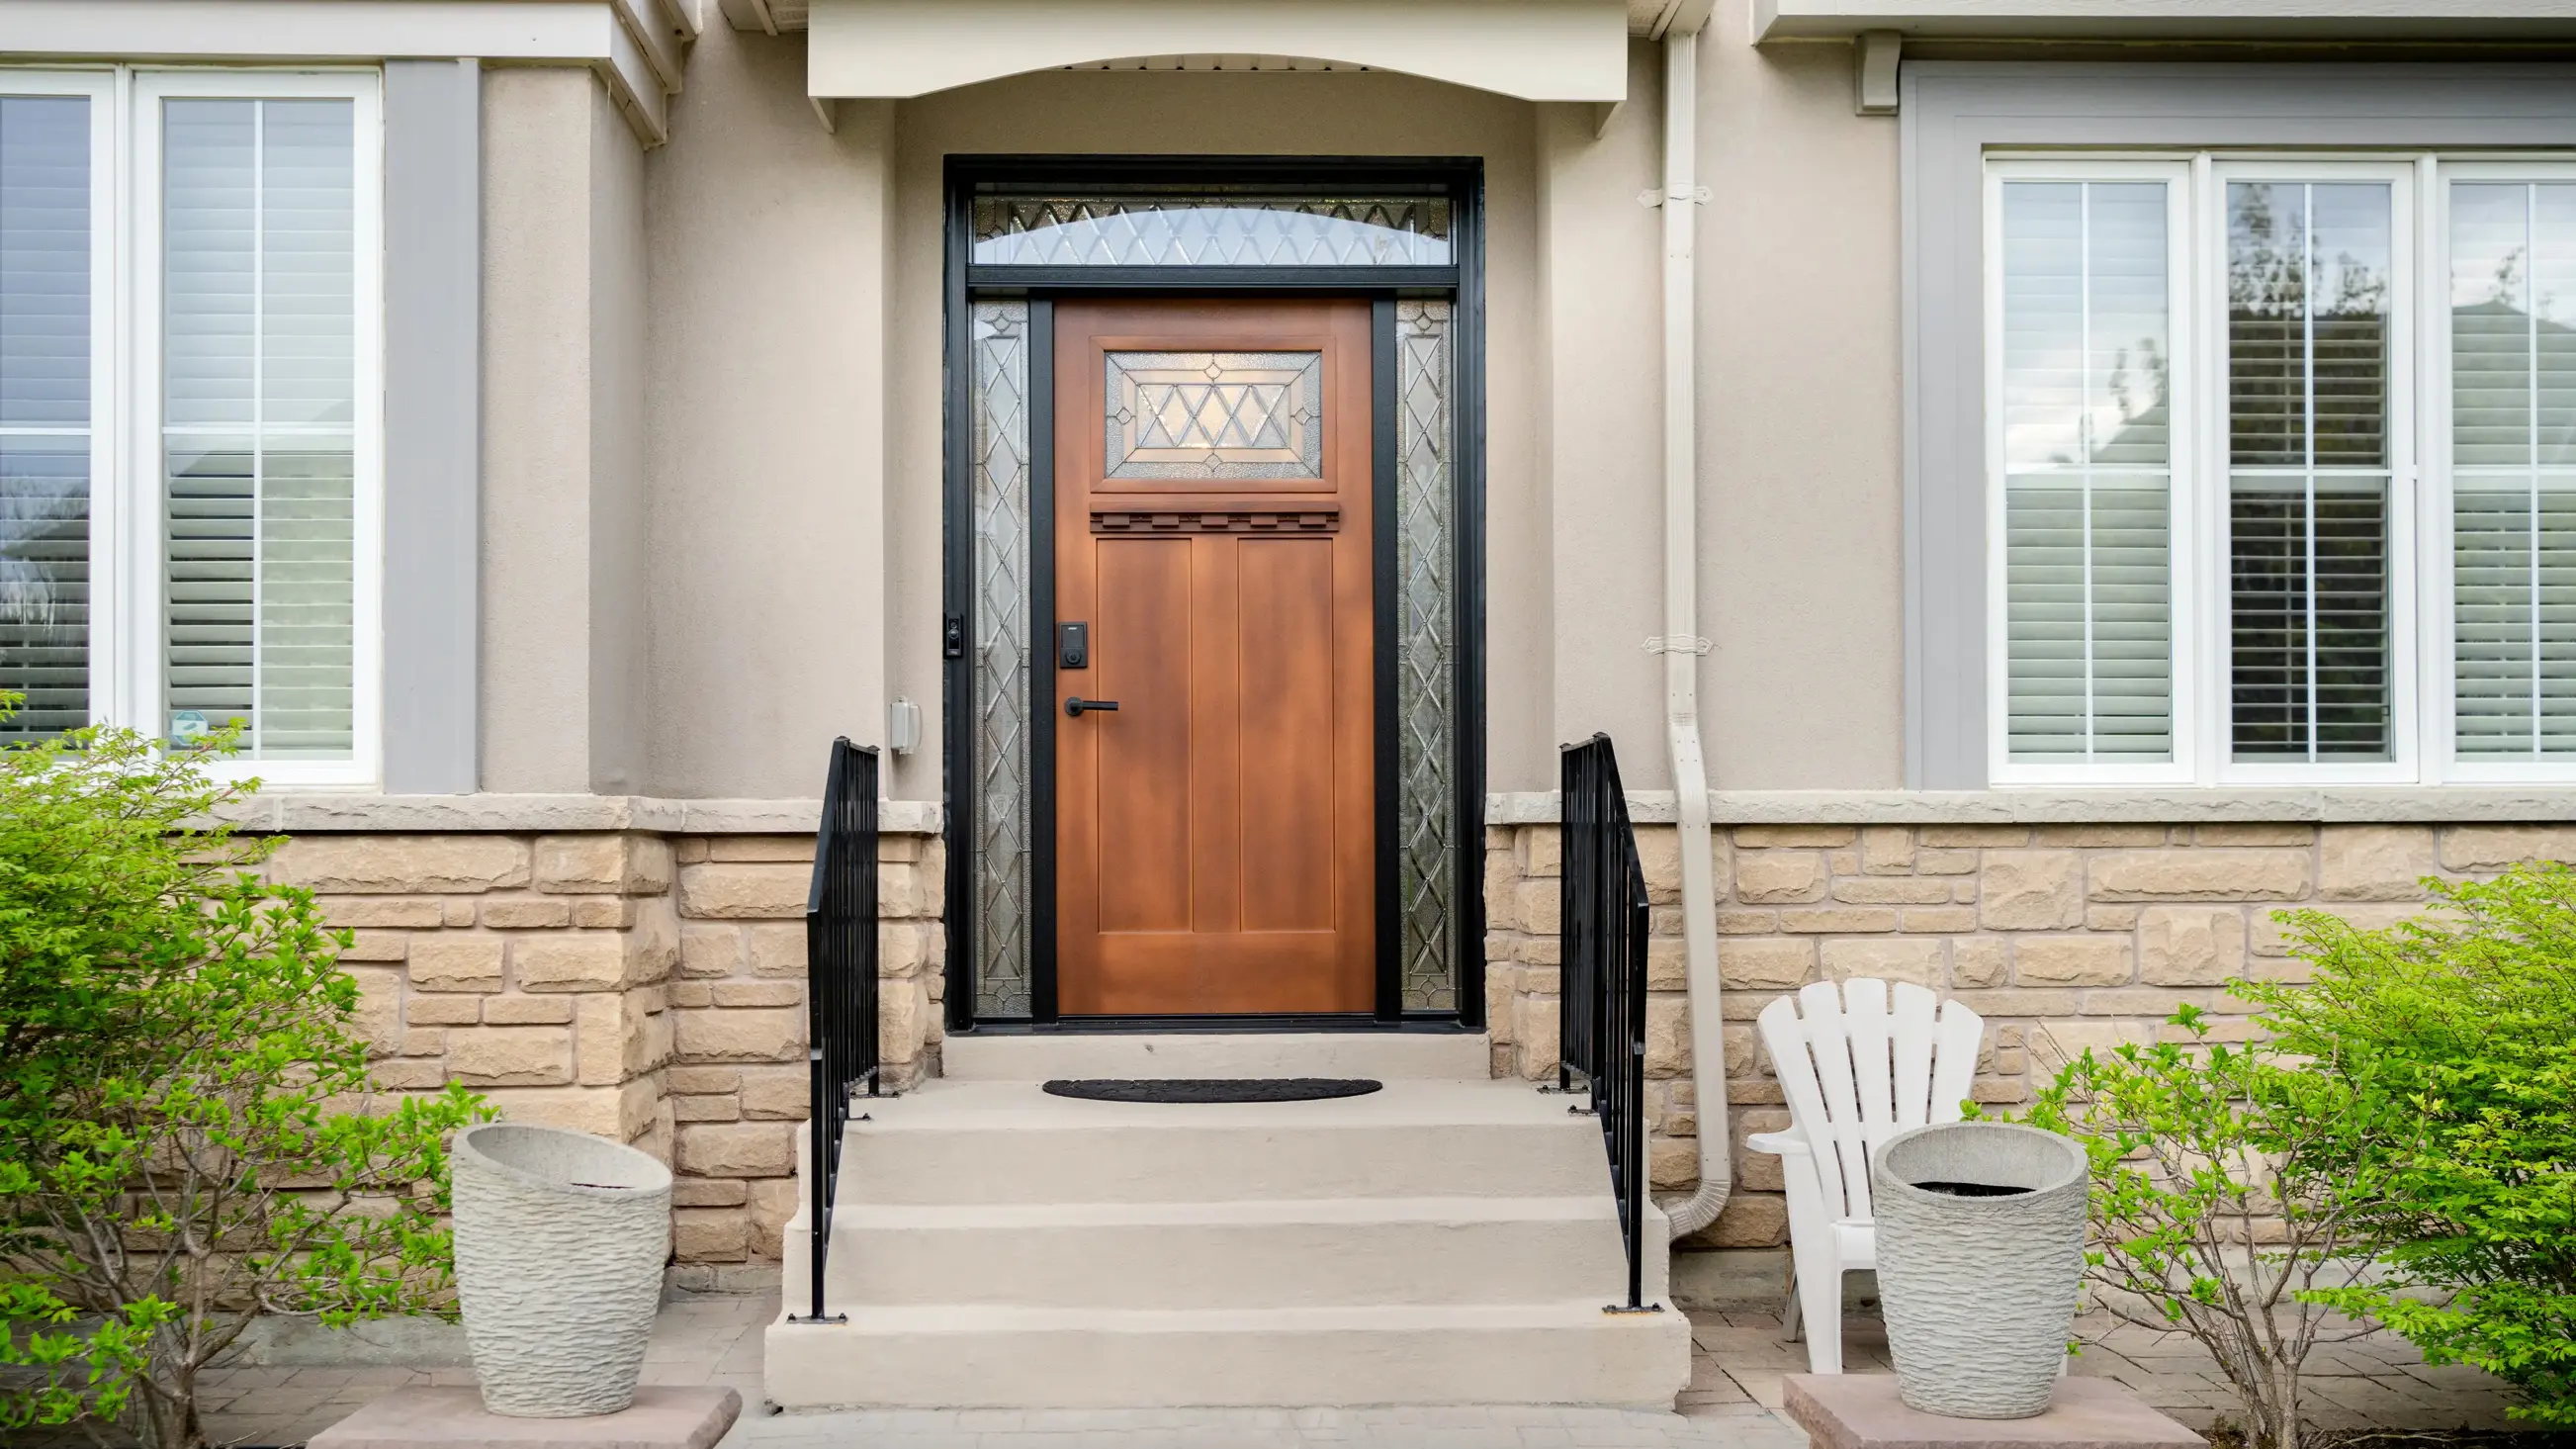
(1681, 645)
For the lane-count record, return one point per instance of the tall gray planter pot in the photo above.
(1980, 1262)
(560, 1241)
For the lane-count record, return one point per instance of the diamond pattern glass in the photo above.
(1203, 230)
(999, 356)
(1214, 415)
(1426, 655)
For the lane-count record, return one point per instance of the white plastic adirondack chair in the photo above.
(1857, 1068)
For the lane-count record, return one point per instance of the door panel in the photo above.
(1215, 835)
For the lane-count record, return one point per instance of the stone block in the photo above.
(1746, 923)
(2254, 834)
(577, 961)
(526, 915)
(603, 864)
(401, 864)
(423, 1010)
(1659, 861)
(1887, 958)
(620, 1114)
(2374, 862)
(375, 946)
(1762, 837)
(780, 950)
(453, 912)
(706, 1109)
(422, 1042)
(1975, 836)
(1773, 877)
(1892, 890)
(1764, 963)
(1887, 850)
(738, 1149)
(2031, 890)
(379, 1016)
(1852, 920)
(1540, 902)
(795, 847)
(2268, 937)
(661, 1417)
(1534, 1029)
(771, 1035)
(760, 993)
(2202, 875)
(1502, 891)
(1864, 1411)
(603, 912)
(773, 1202)
(2073, 961)
(1667, 964)
(616, 1041)
(383, 912)
(710, 948)
(1672, 1163)
(1751, 1220)
(708, 1192)
(1940, 920)
(743, 891)
(905, 949)
(1939, 860)
(2055, 1045)
(408, 1074)
(2111, 918)
(2191, 945)
(1668, 1035)
(1539, 851)
(775, 1094)
(2493, 847)
(2101, 835)
(448, 962)
(1979, 961)
(710, 1235)
(512, 1056)
(527, 1010)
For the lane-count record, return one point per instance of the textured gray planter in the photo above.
(560, 1241)
(1979, 1292)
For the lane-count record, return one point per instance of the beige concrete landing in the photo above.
(1436, 1242)
(1387, 1056)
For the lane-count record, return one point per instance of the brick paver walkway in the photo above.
(1734, 1391)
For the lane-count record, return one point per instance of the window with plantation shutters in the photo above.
(2513, 469)
(258, 228)
(2087, 459)
(47, 448)
(2309, 375)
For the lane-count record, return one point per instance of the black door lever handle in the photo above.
(1075, 706)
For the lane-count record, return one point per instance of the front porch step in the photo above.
(1299, 1253)
(1566, 1352)
(976, 1142)
(1387, 1056)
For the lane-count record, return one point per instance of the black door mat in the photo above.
(1211, 1089)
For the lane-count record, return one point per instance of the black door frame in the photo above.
(1462, 282)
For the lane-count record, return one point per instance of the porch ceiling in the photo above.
(1551, 50)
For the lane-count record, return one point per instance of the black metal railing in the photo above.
(840, 979)
(1601, 1021)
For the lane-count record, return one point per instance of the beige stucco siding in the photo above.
(766, 427)
(1801, 421)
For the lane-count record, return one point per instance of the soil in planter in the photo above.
(1973, 1189)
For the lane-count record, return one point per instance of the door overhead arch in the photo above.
(1537, 50)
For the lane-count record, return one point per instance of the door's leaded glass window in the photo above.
(2088, 577)
(1214, 415)
(45, 282)
(1426, 656)
(999, 359)
(2513, 455)
(2308, 378)
(1148, 228)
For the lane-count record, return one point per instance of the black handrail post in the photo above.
(1602, 926)
(840, 985)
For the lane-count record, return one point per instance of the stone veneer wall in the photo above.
(644, 987)
(2060, 936)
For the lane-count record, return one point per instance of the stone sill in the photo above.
(286, 810)
(2355, 804)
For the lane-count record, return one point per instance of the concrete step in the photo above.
(999, 1143)
(1287, 1253)
(1387, 1056)
(1567, 1352)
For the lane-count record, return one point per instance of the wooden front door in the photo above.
(1214, 833)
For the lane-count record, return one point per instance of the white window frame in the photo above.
(2182, 464)
(2422, 707)
(126, 494)
(2441, 721)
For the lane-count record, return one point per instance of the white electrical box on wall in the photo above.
(903, 726)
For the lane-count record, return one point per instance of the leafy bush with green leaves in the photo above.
(2230, 1183)
(2468, 1017)
(188, 1135)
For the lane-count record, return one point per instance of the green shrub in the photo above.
(2469, 1016)
(2229, 1183)
(187, 1133)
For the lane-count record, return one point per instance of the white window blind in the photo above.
(258, 233)
(2513, 454)
(45, 443)
(2086, 387)
(2308, 376)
